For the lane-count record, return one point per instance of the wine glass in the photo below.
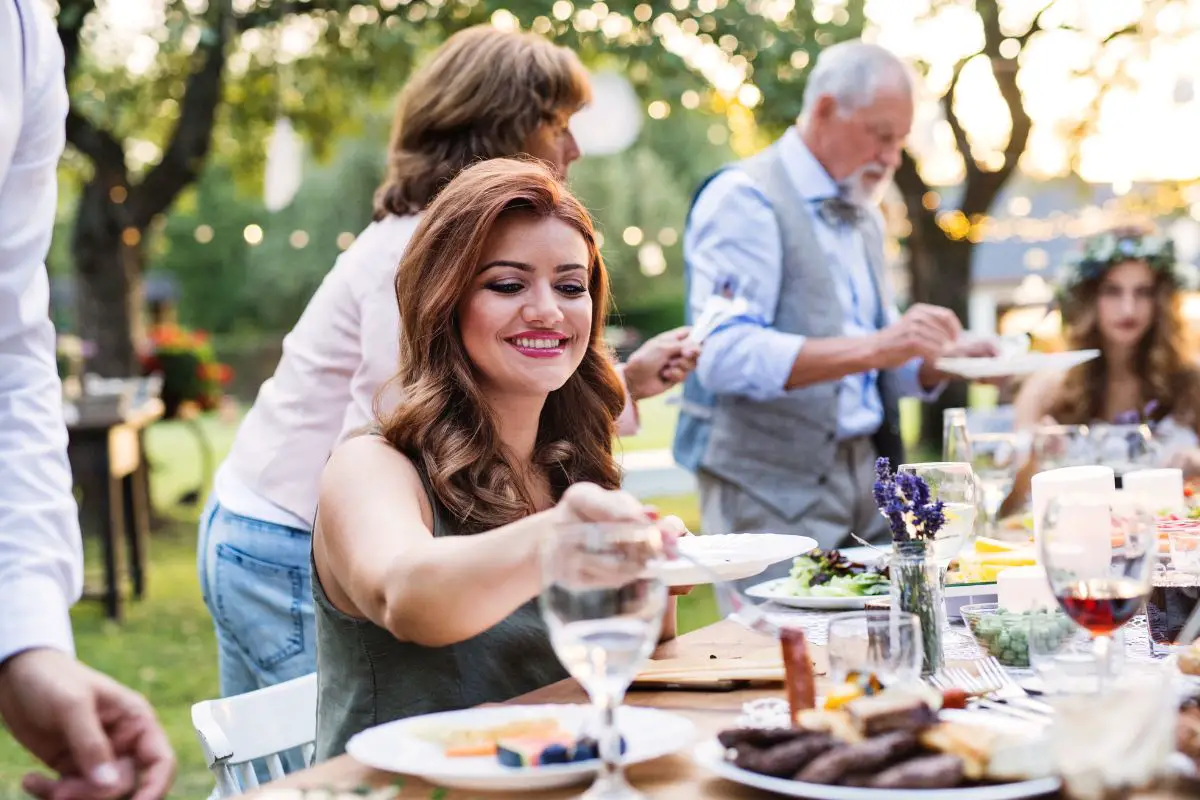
(1057, 446)
(881, 642)
(1099, 554)
(603, 599)
(954, 484)
(996, 460)
(1123, 447)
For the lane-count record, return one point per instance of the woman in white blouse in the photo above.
(484, 94)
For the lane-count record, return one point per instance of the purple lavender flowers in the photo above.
(905, 495)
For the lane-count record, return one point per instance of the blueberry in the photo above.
(555, 754)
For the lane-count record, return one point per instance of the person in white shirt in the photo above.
(101, 738)
(484, 94)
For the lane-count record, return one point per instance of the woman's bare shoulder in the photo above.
(366, 462)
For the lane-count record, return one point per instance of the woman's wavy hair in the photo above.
(480, 96)
(1170, 382)
(444, 423)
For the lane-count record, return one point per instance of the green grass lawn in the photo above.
(165, 646)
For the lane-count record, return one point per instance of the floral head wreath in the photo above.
(1102, 252)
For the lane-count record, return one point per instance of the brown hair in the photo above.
(481, 95)
(444, 423)
(1165, 369)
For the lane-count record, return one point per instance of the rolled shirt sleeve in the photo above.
(41, 559)
(732, 235)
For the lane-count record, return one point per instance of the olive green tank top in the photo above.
(366, 677)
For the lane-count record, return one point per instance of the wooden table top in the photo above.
(674, 777)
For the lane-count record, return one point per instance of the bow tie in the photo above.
(837, 211)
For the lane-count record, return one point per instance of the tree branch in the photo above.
(960, 135)
(189, 144)
(1036, 25)
(106, 153)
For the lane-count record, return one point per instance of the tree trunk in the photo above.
(108, 290)
(940, 269)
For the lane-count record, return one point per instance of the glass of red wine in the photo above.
(1099, 554)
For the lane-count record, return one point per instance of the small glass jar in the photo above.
(916, 587)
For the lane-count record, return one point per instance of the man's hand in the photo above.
(923, 332)
(660, 363)
(101, 738)
(931, 376)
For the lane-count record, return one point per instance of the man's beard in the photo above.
(862, 193)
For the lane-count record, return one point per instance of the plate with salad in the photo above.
(826, 579)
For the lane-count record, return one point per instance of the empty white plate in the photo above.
(1000, 366)
(733, 556)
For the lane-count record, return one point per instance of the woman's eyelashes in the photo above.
(568, 288)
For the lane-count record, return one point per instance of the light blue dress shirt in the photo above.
(733, 236)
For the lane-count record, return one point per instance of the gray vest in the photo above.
(780, 450)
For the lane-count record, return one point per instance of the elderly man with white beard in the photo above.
(795, 397)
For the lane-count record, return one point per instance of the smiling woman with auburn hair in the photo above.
(425, 549)
(445, 423)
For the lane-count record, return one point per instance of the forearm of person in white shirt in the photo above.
(41, 561)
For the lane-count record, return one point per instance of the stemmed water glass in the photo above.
(1124, 447)
(996, 459)
(603, 599)
(1099, 554)
(1056, 446)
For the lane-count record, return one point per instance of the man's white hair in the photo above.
(852, 73)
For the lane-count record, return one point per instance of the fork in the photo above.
(952, 678)
(1009, 690)
(995, 691)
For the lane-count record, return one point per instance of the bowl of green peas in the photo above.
(1005, 634)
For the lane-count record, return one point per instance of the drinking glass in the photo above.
(603, 599)
(955, 485)
(1056, 446)
(1099, 554)
(1117, 742)
(996, 459)
(956, 438)
(875, 642)
(1123, 447)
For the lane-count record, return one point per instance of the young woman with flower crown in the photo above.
(1121, 296)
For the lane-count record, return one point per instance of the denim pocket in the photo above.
(259, 605)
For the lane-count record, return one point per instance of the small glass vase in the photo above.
(917, 589)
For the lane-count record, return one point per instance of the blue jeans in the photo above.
(255, 580)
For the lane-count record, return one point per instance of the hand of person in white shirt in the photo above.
(101, 738)
(660, 363)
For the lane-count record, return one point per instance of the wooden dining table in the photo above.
(674, 777)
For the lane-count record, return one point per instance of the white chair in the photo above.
(236, 731)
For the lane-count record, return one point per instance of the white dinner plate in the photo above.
(711, 755)
(775, 592)
(1001, 367)
(733, 556)
(400, 746)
